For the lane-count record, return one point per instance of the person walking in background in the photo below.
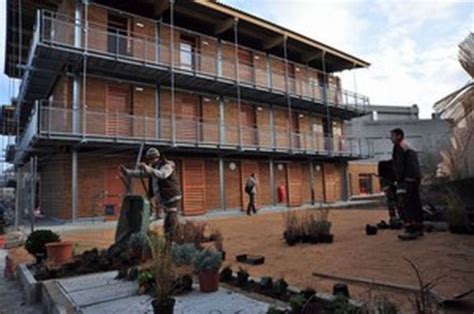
(251, 190)
(407, 179)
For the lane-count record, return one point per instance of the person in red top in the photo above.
(407, 179)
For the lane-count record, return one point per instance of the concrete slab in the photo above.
(89, 281)
(223, 301)
(101, 293)
(94, 295)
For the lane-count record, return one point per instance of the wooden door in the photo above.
(114, 191)
(295, 197)
(280, 177)
(332, 182)
(188, 127)
(118, 119)
(232, 186)
(249, 134)
(194, 187)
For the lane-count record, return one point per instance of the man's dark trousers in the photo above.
(251, 205)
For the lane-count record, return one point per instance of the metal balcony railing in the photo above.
(53, 120)
(268, 73)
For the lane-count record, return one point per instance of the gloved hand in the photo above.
(124, 171)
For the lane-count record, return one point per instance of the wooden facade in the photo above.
(222, 138)
(101, 190)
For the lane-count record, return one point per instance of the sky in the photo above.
(411, 45)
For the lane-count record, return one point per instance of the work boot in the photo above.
(383, 225)
(412, 232)
(396, 224)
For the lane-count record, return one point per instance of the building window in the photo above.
(365, 183)
(375, 115)
(187, 49)
(119, 39)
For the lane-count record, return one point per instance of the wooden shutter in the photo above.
(118, 107)
(194, 187)
(248, 125)
(188, 127)
(245, 66)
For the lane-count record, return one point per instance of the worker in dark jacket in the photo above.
(163, 184)
(407, 178)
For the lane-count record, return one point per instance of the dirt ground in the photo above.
(354, 254)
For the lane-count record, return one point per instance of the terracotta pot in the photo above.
(209, 281)
(59, 253)
(166, 307)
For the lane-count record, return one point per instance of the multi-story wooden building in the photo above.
(221, 92)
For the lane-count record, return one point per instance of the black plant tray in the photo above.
(250, 259)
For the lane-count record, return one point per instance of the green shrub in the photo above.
(455, 210)
(207, 260)
(183, 254)
(35, 243)
(296, 302)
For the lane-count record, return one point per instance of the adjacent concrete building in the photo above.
(427, 136)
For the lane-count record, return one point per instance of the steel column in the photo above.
(272, 126)
(221, 121)
(345, 181)
(237, 76)
(74, 190)
(17, 196)
(311, 181)
(33, 192)
(272, 183)
(173, 118)
(78, 24)
(328, 114)
(157, 112)
(288, 99)
(222, 183)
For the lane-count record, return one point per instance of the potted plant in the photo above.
(325, 235)
(183, 256)
(280, 287)
(292, 233)
(207, 264)
(242, 277)
(36, 241)
(218, 239)
(59, 253)
(165, 276)
(226, 274)
(455, 213)
(137, 246)
(314, 232)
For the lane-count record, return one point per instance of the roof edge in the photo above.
(236, 13)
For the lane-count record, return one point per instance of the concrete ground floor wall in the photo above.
(208, 182)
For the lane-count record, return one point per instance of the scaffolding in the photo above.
(59, 40)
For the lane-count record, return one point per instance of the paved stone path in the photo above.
(11, 296)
